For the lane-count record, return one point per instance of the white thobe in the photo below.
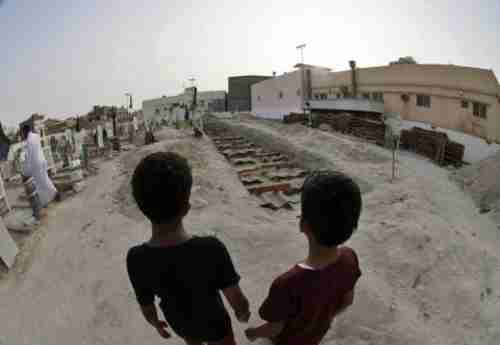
(35, 166)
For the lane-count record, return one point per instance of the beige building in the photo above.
(448, 96)
(459, 98)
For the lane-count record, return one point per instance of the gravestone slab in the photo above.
(8, 248)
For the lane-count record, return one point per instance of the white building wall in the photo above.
(278, 96)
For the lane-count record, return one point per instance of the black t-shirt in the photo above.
(187, 279)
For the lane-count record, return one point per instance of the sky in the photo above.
(61, 57)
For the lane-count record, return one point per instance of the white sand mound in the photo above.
(482, 182)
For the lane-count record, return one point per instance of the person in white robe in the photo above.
(36, 166)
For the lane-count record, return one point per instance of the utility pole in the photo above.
(302, 78)
(113, 117)
(129, 96)
(301, 48)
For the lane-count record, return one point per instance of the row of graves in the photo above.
(73, 155)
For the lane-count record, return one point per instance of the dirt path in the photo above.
(430, 263)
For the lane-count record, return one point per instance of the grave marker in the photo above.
(8, 248)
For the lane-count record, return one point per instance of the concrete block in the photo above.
(21, 220)
(8, 248)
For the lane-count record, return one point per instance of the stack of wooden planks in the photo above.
(369, 130)
(454, 153)
(434, 145)
(295, 118)
(359, 126)
(338, 122)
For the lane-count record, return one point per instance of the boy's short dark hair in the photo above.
(161, 185)
(331, 205)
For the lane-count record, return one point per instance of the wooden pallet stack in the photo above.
(362, 127)
(369, 130)
(338, 122)
(454, 153)
(369, 116)
(408, 140)
(431, 144)
(295, 118)
(434, 145)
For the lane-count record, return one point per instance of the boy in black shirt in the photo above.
(185, 272)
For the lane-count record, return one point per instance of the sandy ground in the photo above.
(482, 181)
(430, 261)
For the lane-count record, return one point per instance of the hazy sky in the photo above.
(60, 57)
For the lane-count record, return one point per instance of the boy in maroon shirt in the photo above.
(187, 273)
(303, 301)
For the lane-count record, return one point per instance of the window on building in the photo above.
(424, 101)
(298, 92)
(465, 104)
(323, 96)
(378, 96)
(258, 98)
(280, 94)
(480, 110)
(366, 95)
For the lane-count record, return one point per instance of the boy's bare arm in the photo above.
(151, 316)
(267, 330)
(238, 302)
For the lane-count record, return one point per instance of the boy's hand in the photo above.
(160, 327)
(251, 334)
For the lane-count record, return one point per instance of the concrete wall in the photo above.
(266, 101)
(447, 85)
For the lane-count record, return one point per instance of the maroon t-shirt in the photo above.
(307, 299)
